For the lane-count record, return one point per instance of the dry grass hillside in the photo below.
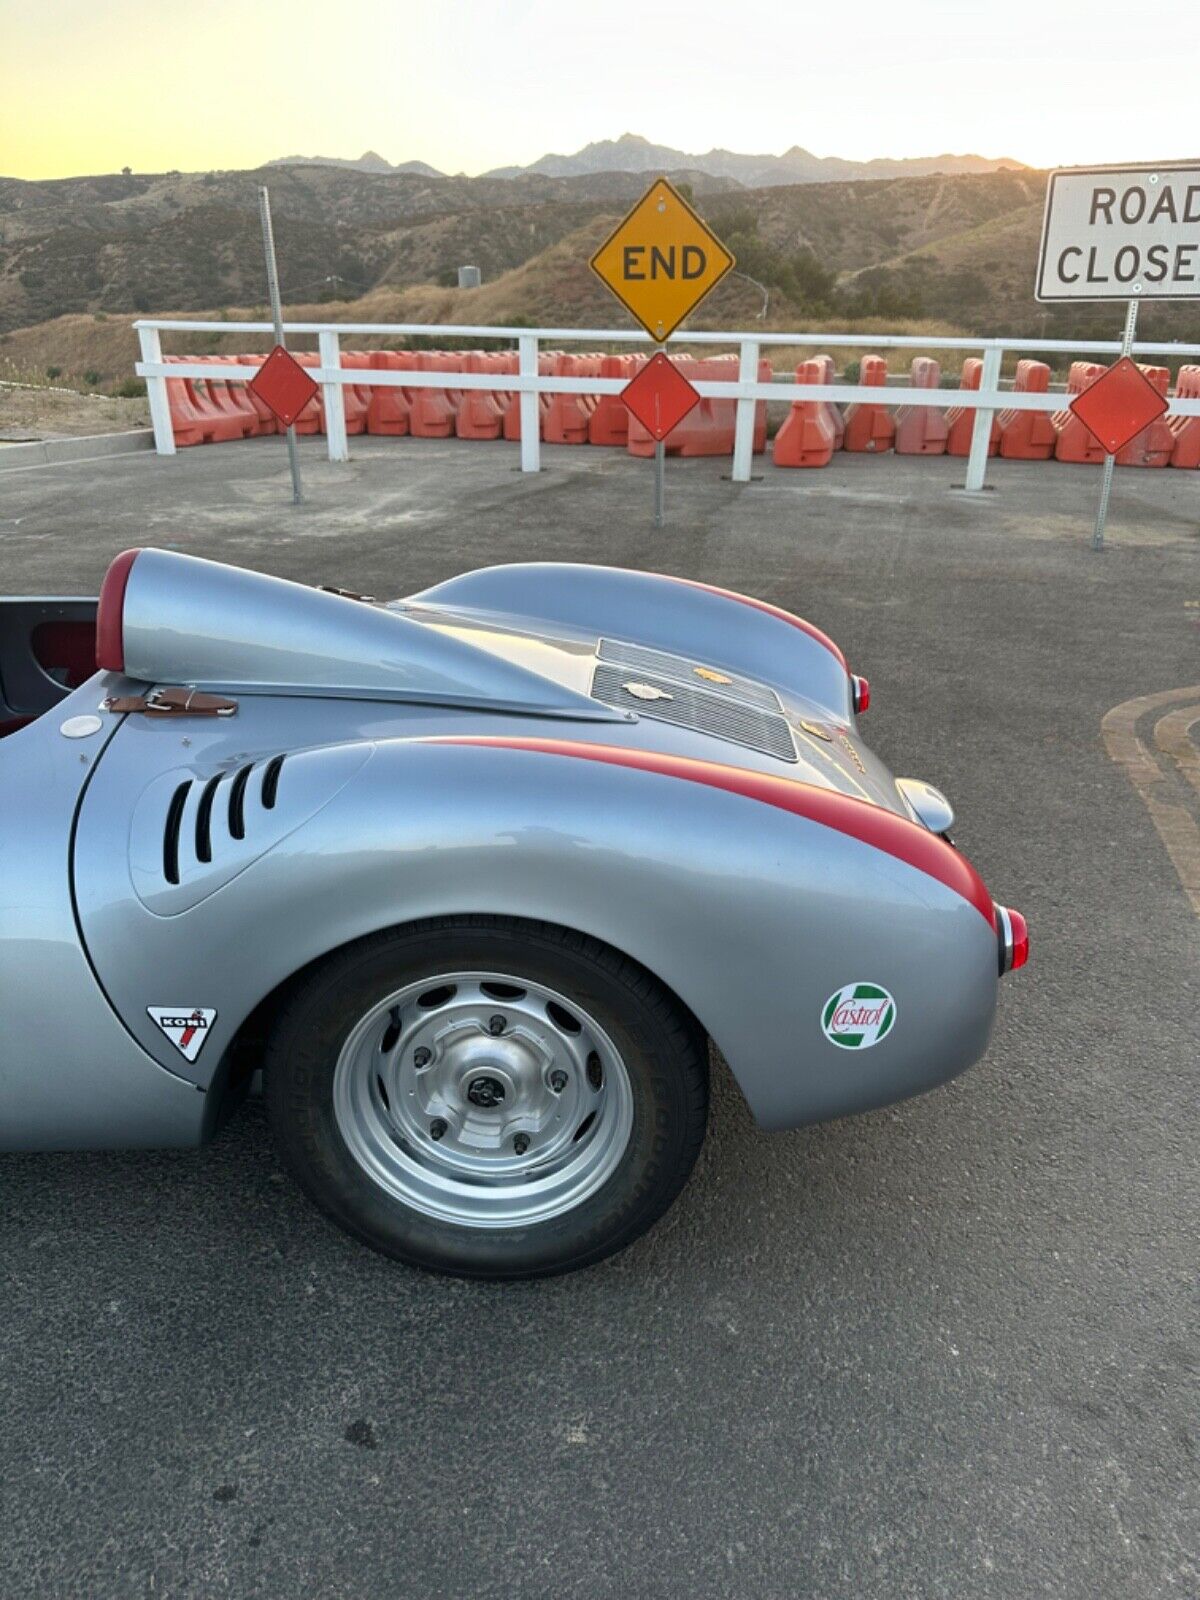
(148, 244)
(934, 254)
(143, 244)
(555, 288)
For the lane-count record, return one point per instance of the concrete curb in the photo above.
(53, 452)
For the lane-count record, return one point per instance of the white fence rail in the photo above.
(747, 390)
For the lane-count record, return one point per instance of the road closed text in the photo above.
(1121, 235)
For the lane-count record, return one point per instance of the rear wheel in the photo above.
(486, 1097)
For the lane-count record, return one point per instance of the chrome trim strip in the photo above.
(1004, 923)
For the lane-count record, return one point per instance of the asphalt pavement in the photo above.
(943, 1350)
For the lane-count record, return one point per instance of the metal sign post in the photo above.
(660, 473)
(1131, 311)
(264, 208)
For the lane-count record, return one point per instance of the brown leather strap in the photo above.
(174, 702)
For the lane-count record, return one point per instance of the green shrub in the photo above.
(99, 316)
(53, 372)
(91, 377)
(130, 389)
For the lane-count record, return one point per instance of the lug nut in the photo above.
(437, 1127)
(496, 1024)
(521, 1143)
(558, 1081)
(422, 1057)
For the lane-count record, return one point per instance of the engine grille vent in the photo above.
(681, 670)
(697, 709)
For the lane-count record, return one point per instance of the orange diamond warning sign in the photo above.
(662, 260)
(1118, 405)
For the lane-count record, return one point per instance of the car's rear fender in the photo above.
(754, 915)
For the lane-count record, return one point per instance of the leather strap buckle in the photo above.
(174, 702)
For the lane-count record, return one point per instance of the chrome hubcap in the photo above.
(483, 1099)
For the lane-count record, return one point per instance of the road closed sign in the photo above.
(661, 260)
(1121, 233)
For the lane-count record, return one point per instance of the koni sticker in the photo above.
(858, 1015)
(186, 1027)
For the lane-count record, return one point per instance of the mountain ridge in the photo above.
(632, 152)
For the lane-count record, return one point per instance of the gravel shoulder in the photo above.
(28, 413)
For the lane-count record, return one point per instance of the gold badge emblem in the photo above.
(646, 691)
(711, 676)
(852, 753)
(817, 732)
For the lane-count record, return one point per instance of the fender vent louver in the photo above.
(270, 783)
(204, 819)
(171, 832)
(204, 831)
(192, 832)
(237, 803)
(730, 720)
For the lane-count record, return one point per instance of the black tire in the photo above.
(663, 1050)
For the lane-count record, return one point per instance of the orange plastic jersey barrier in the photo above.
(1186, 430)
(388, 409)
(1153, 447)
(869, 427)
(609, 422)
(836, 420)
(267, 421)
(567, 415)
(512, 411)
(960, 420)
(1028, 435)
(480, 414)
(431, 411)
(922, 430)
(187, 419)
(1073, 441)
(356, 397)
(199, 411)
(237, 399)
(808, 435)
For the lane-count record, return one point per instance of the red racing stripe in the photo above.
(859, 819)
(771, 611)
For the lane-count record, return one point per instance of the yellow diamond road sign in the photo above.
(661, 260)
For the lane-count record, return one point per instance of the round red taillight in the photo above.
(862, 692)
(1020, 944)
(1013, 933)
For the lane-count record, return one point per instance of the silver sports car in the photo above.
(473, 877)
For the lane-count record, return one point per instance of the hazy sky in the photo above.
(90, 86)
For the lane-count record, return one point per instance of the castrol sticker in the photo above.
(858, 1015)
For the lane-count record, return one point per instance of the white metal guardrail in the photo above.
(747, 390)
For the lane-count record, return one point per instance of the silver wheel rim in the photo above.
(483, 1099)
